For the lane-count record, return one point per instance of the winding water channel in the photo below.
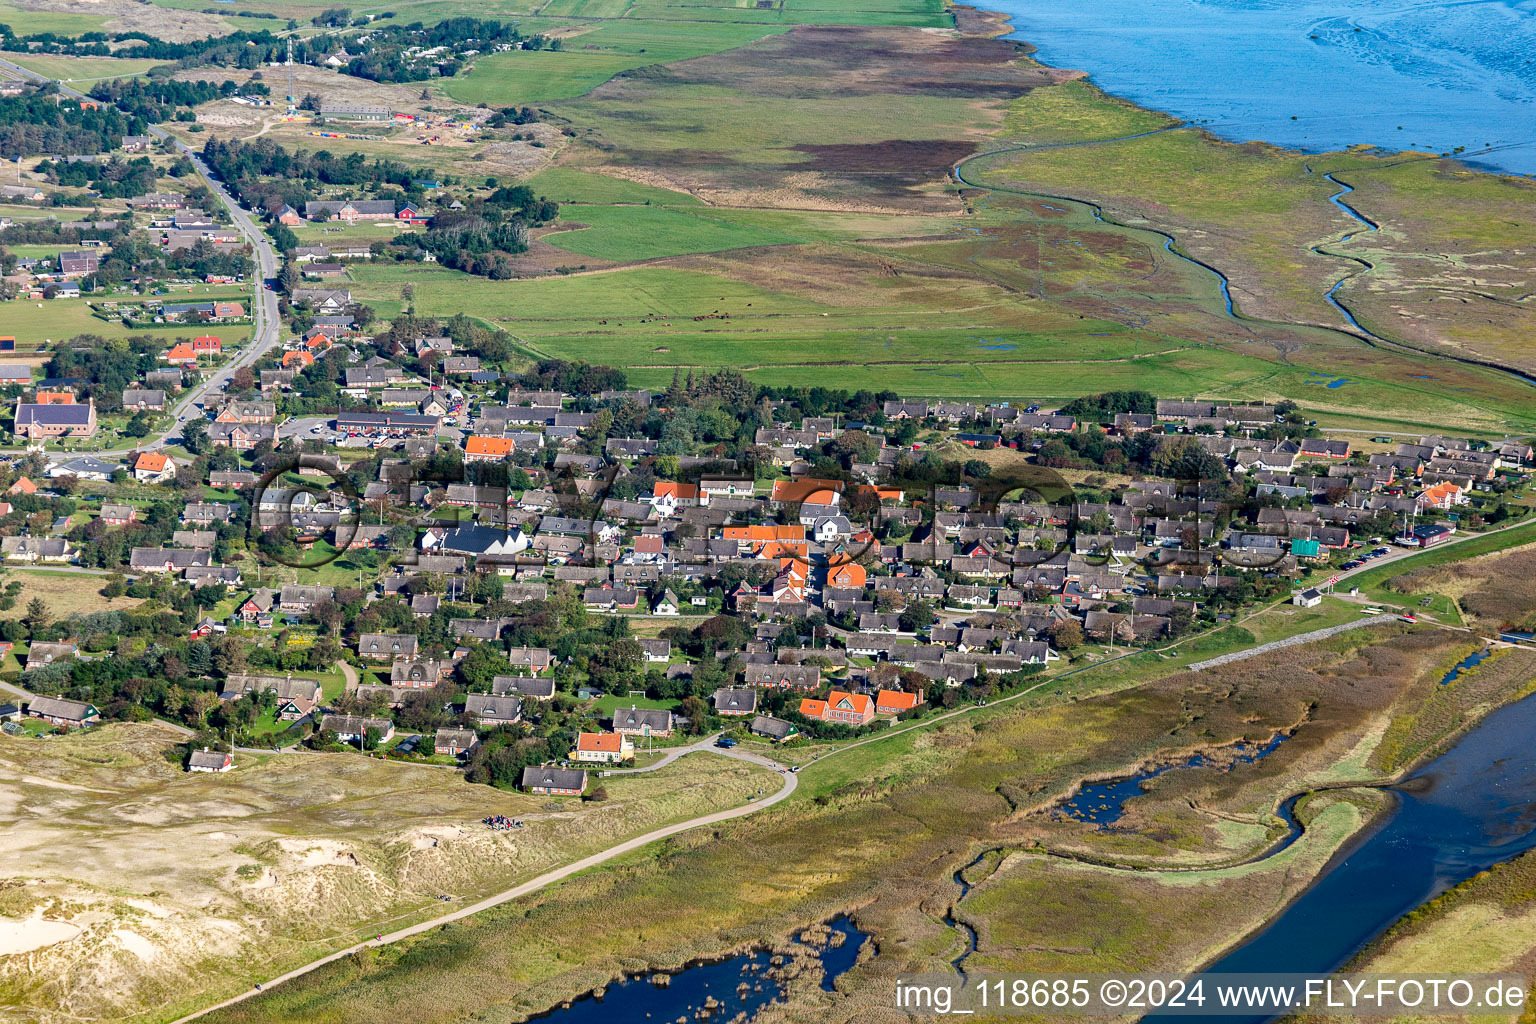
(1468, 810)
(1369, 225)
(1351, 327)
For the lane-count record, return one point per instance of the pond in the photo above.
(1103, 803)
(742, 984)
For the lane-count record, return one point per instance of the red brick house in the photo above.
(840, 706)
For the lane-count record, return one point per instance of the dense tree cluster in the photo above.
(242, 49)
(34, 123)
(113, 179)
(394, 53)
(482, 238)
(1104, 407)
(267, 175)
(159, 99)
(473, 244)
(106, 365)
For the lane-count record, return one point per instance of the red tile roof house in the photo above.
(839, 706)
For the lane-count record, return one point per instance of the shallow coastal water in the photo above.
(1467, 810)
(1312, 76)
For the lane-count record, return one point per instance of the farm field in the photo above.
(1002, 294)
(589, 59)
(971, 342)
(625, 233)
(35, 323)
(64, 593)
(28, 21)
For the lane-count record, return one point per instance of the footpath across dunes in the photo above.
(284, 859)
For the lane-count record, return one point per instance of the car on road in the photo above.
(725, 742)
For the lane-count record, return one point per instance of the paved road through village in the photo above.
(265, 322)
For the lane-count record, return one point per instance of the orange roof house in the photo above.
(297, 357)
(487, 449)
(22, 486)
(784, 549)
(797, 491)
(610, 747)
(847, 574)
(807, 490)
(153, 467)
(841, 706)
(604, 741)
(754, 534)
(55, 398)
(318, 341)
(1441, 495)
(893, 702)
(182, 353)
(795, 568)
(207, 344)
(673, 489)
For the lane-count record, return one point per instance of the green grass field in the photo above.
(569, 185)
(591, 58)
(624, 233)
(32, 22)
(80, 69)
(907, 343)
(35, 323)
